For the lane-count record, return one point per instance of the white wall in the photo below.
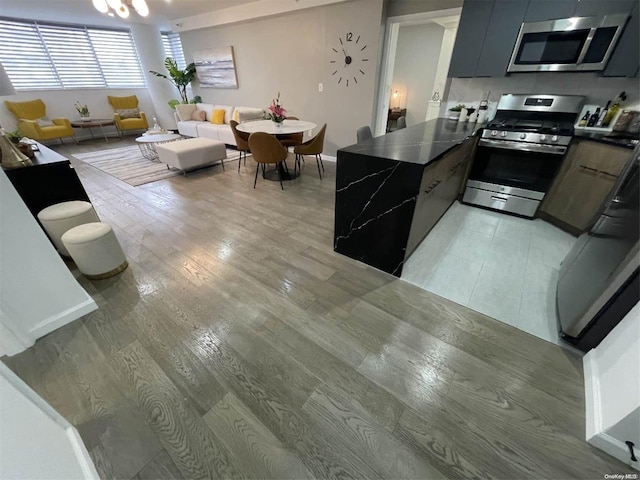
(37, 291)
(36, 442)
(291, 54)
(417, 54)
(407, 7)
(612, 389)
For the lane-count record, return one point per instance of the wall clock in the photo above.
(349, 59)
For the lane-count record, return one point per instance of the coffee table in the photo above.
(147, 143)
(91, 124)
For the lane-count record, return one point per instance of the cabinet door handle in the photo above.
(595, 170)
(499, 199)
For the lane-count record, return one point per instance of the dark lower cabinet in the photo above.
(45, 184)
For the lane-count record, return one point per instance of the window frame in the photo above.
(91, 48)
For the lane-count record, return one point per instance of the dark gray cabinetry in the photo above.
(470, 37)
(488, 30)
(502, 33)
(625, 59)
(589, 8)
(539, 10)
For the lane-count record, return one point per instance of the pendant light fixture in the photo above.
(121, 7)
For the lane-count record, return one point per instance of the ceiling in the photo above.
(82, 11)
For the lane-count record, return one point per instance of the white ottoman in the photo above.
(59, 218)
(192, 153)
(95, 249)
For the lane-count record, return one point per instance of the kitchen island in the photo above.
(392, 189)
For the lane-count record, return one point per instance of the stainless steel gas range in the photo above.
(520, 151)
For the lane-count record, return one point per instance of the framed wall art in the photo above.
(216, 67)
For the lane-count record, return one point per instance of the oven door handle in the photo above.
(523, 147)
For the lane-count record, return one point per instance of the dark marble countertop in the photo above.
(618, 139)
(419, 144)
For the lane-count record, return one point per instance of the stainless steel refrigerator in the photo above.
(598, 280)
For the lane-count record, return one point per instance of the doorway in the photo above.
(415, 63)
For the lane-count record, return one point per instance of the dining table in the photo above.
(287, 127)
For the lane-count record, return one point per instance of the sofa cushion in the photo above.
(189, 128)
(185, 111)
(218, 116)
(208, 109)
(210, 130)
(249, 113)
(199, 115)
(228, 112)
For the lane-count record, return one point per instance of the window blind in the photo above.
(44, 56)
(173, 48)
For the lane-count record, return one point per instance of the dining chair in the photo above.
(266, 149)
(364, 133)
(312, 147)
(401, 123)
(291, 139)
(242, 142)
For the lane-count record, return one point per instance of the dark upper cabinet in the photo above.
(590, 8)
(488, 31)
(470, 37)
(625, 60)
(501, 36)
(539, 10)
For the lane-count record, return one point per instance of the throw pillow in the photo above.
(236, 116)
(199, 115)
(44, 122)
(217, 117)
(185, 111)
(128, 113)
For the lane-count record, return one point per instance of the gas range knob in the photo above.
(523, 136)
(543, 138)
(494, 133)
(554, 138)
(503, 134)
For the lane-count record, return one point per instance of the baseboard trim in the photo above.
(48, 325)
(593, 408)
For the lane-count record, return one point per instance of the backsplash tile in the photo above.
(596, 88)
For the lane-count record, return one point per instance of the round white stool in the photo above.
(59, 218)
(95, 250)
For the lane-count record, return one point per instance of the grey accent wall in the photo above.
(290, 54)
(407, 7)
(417, 55)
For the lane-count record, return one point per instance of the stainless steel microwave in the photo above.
(566, 44)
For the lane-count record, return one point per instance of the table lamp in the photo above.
(11, 156)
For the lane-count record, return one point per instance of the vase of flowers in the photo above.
(276, 112)
(83, 110)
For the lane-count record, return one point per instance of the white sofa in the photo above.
(189, 119)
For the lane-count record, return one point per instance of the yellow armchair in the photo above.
(127, 103)
(28, 114)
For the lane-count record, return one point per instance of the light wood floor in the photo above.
(239, 345)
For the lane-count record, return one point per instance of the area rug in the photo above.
(128, 164)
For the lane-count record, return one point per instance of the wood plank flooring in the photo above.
(239, 345)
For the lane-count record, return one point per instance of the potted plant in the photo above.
(83, 110)
(276, 112)
(454, 112)
(15, 136)
(180, 79)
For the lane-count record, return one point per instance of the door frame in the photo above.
(392, 29)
